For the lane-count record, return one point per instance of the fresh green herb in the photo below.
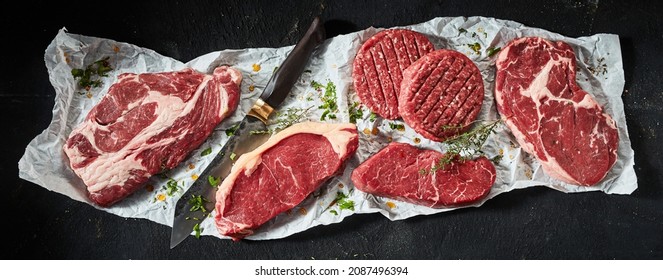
(343, 202)
(231, 131)
(275, 68)
(476, 47)
(355, 112)
(492, 51)
(89, 77)
(233, 156)
(197, 230)
(464, 146)
(462, 30)
(206, 152)
(171, 187)
(372, 117)
(316, 85)
(474, 34)
(397, 126)
(496, 159)
(197, 202)
(285, 119)
(307, 71)
(213, 181)
(328, 99)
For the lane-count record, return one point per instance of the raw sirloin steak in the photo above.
(402, 172)
(145, 124)
(441, 94)
(550, 115)
(377, 69)
(280, 174)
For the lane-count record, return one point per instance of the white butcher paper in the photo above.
(45, 164)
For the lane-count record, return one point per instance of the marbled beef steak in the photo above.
(403, 172)
(148, 123)
(280, 174)
(550, 115)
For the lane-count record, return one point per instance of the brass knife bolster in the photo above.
(261, 110)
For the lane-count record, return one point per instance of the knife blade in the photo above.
(188, 213)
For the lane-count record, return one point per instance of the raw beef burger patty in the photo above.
(441, 94)
(395, 172)
(145, 124)
(550, 115)
(378, 66)
(280, 174)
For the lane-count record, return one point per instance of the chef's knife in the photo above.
(188, 211)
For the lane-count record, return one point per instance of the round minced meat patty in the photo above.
(441, 94)
(378, 66)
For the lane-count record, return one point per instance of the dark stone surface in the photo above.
(536, 223)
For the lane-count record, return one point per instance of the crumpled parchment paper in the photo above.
(45, 164)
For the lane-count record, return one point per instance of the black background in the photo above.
(536, 223)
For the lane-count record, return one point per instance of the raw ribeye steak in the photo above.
(377, 69)
(148, 123)
(280, 174)
(551, 117)
(403, 172)
(441, 94)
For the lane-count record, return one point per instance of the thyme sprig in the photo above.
(285, 119)
(464, 146)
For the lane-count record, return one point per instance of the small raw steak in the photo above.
(550, 115)
(441, 94)
(146, 124)
(401, 171)
(280, 174)
(377, 69)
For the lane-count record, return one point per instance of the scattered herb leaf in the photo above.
(172, 187)
(492, 51)
(343, 203)
(328, 99)
(231, 131)
(197, 202)
(197, 230)
(355, 112)
(213, 181)
(397, 126)
(233, 156)
(89, 77)
(372, 117)
(496, 159)
(476, 47)
(206, 152)
(462, 30)
(316, 85)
